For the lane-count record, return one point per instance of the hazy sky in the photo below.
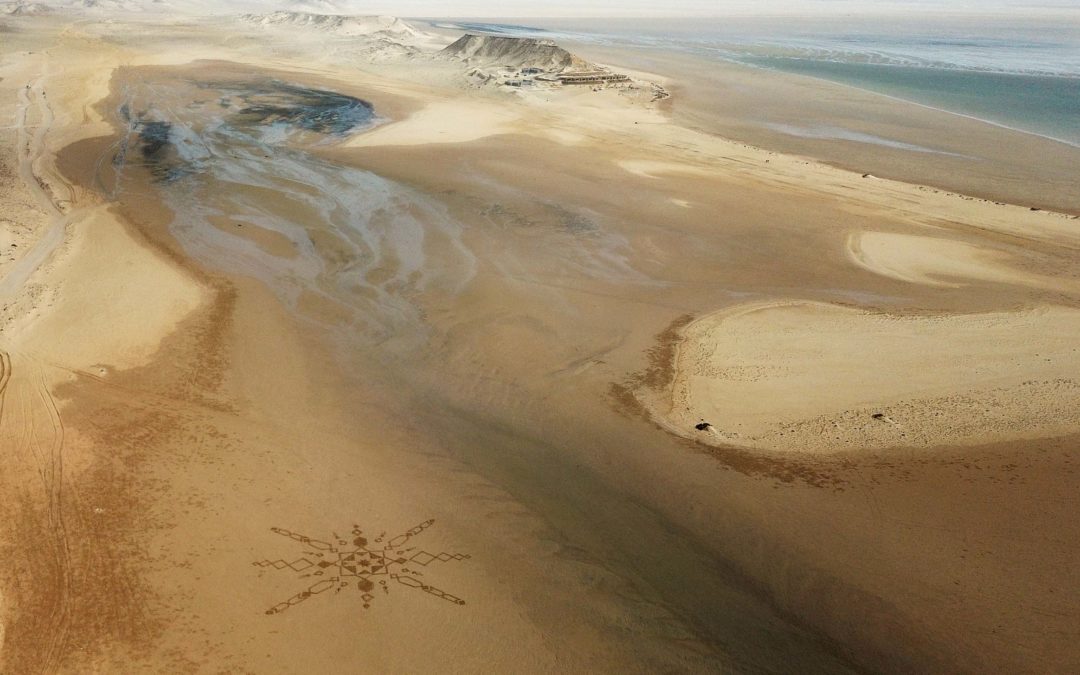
(525, 8)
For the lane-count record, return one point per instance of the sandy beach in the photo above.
(425, 393)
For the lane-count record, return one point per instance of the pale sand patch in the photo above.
(453, 121)
(648, 168)
(565, 137)
(116, 299)
(932, 260)
(806, 376)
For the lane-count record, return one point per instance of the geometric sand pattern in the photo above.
(346, 562)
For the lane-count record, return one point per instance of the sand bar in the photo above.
(807, 377)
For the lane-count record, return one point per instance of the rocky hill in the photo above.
(23, 8)
(92, 7)
(494, 50)
(384, 26)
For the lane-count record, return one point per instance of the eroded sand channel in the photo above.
(230, 153)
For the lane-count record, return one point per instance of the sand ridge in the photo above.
(937, 261)
(809, 377)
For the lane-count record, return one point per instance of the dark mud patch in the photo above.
(573, 221)
(154, 137)
(159, 155)
(180, 129)
(275, 102)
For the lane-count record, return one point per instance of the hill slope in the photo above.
(494, 50)
(388, 26)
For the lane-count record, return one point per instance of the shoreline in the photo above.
(974, 151)
(735, 60)
(901, 99)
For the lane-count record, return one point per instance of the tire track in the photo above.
(60, 619)
(5, 378)
(44, 596)
(46, 449)
(31, 149)
(30, 421)
(32, 146)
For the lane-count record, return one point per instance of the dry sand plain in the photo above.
(485, 329)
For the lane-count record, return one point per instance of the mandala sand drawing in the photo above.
(340, 563)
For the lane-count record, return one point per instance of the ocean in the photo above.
(1022, 72)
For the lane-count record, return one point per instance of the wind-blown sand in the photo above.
(455, 121)
(102, 306)
(446, 349)
(935, 261)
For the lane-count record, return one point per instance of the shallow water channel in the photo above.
(233, 160)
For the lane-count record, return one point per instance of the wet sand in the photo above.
(884, 136)
(454, 376)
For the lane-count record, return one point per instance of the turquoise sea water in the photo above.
(1017, 71)
(1048, 105)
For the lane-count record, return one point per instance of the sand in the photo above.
(476, 339)
(455, 121)
(810, 377)
(932, 261)
(101, 307)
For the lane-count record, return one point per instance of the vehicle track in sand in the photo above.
(5, 377)
(29, 414)
(52, 195)
(34, 434)
(51, 451)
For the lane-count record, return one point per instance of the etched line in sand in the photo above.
(370, 566)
